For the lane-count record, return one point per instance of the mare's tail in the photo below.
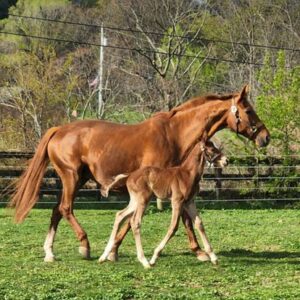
(105, 189)
(28, 185)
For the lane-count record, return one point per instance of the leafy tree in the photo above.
(278, 101)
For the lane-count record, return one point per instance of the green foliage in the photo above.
(125, 115)
(258, 252)
(278, 101)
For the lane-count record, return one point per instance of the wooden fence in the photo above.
(244, 179)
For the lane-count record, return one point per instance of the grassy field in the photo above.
(258, 250)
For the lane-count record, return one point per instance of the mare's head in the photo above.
(243, 119)
(214, 155)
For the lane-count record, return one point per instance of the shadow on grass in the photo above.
(262, 256)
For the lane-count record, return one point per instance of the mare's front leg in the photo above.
(194, 245)
(191, 210)
(176, 212)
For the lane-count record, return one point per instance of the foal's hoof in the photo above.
(203, 257)
(49, 259)
(213, 258)
(101, 259)
(112, 257)
(147, 266)
(152, 262)
(85, 252)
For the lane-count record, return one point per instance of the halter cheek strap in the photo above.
(235, 112)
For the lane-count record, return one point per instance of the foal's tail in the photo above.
(28, 185)
(105, 189)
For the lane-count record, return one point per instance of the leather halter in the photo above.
(235, 111)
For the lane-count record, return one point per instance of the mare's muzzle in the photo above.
(262, 139)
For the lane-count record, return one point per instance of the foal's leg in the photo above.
(120, 216)
(113, 255)
(188, 224)
(48, 245)
(136, 229)
(176, 212)
(194, 215)
(70, 181)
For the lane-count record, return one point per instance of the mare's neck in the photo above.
(192, 125)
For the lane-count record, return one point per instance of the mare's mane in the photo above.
(194, 102)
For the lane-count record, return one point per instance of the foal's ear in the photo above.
(244, 92)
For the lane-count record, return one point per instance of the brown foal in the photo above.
(178, 184)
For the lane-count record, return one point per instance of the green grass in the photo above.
(258, 250)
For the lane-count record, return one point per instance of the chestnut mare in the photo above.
(179, 184)
(100, 150)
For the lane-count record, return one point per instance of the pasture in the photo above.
(258, 250)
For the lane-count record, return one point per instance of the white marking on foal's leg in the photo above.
(48, 245)
(106, 252)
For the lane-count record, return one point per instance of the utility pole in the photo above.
(100, 75)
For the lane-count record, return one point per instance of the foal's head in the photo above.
(214, 155)
(243, 119)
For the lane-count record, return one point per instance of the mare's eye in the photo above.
(248, 111)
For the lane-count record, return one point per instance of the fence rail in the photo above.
(245, 179)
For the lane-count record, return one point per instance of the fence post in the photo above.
(159, 204)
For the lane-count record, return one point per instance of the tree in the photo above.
(278, 101)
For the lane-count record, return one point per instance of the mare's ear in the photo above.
(244, 93)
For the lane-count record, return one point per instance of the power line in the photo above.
(138, 50)
(158, 33)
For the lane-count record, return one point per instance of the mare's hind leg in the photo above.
(70, 181)
(55, 219)
(194, 245)
(176, 212)
(48, 245)
(194, 215)
(120, 216)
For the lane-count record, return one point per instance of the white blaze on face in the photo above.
(223, 161)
